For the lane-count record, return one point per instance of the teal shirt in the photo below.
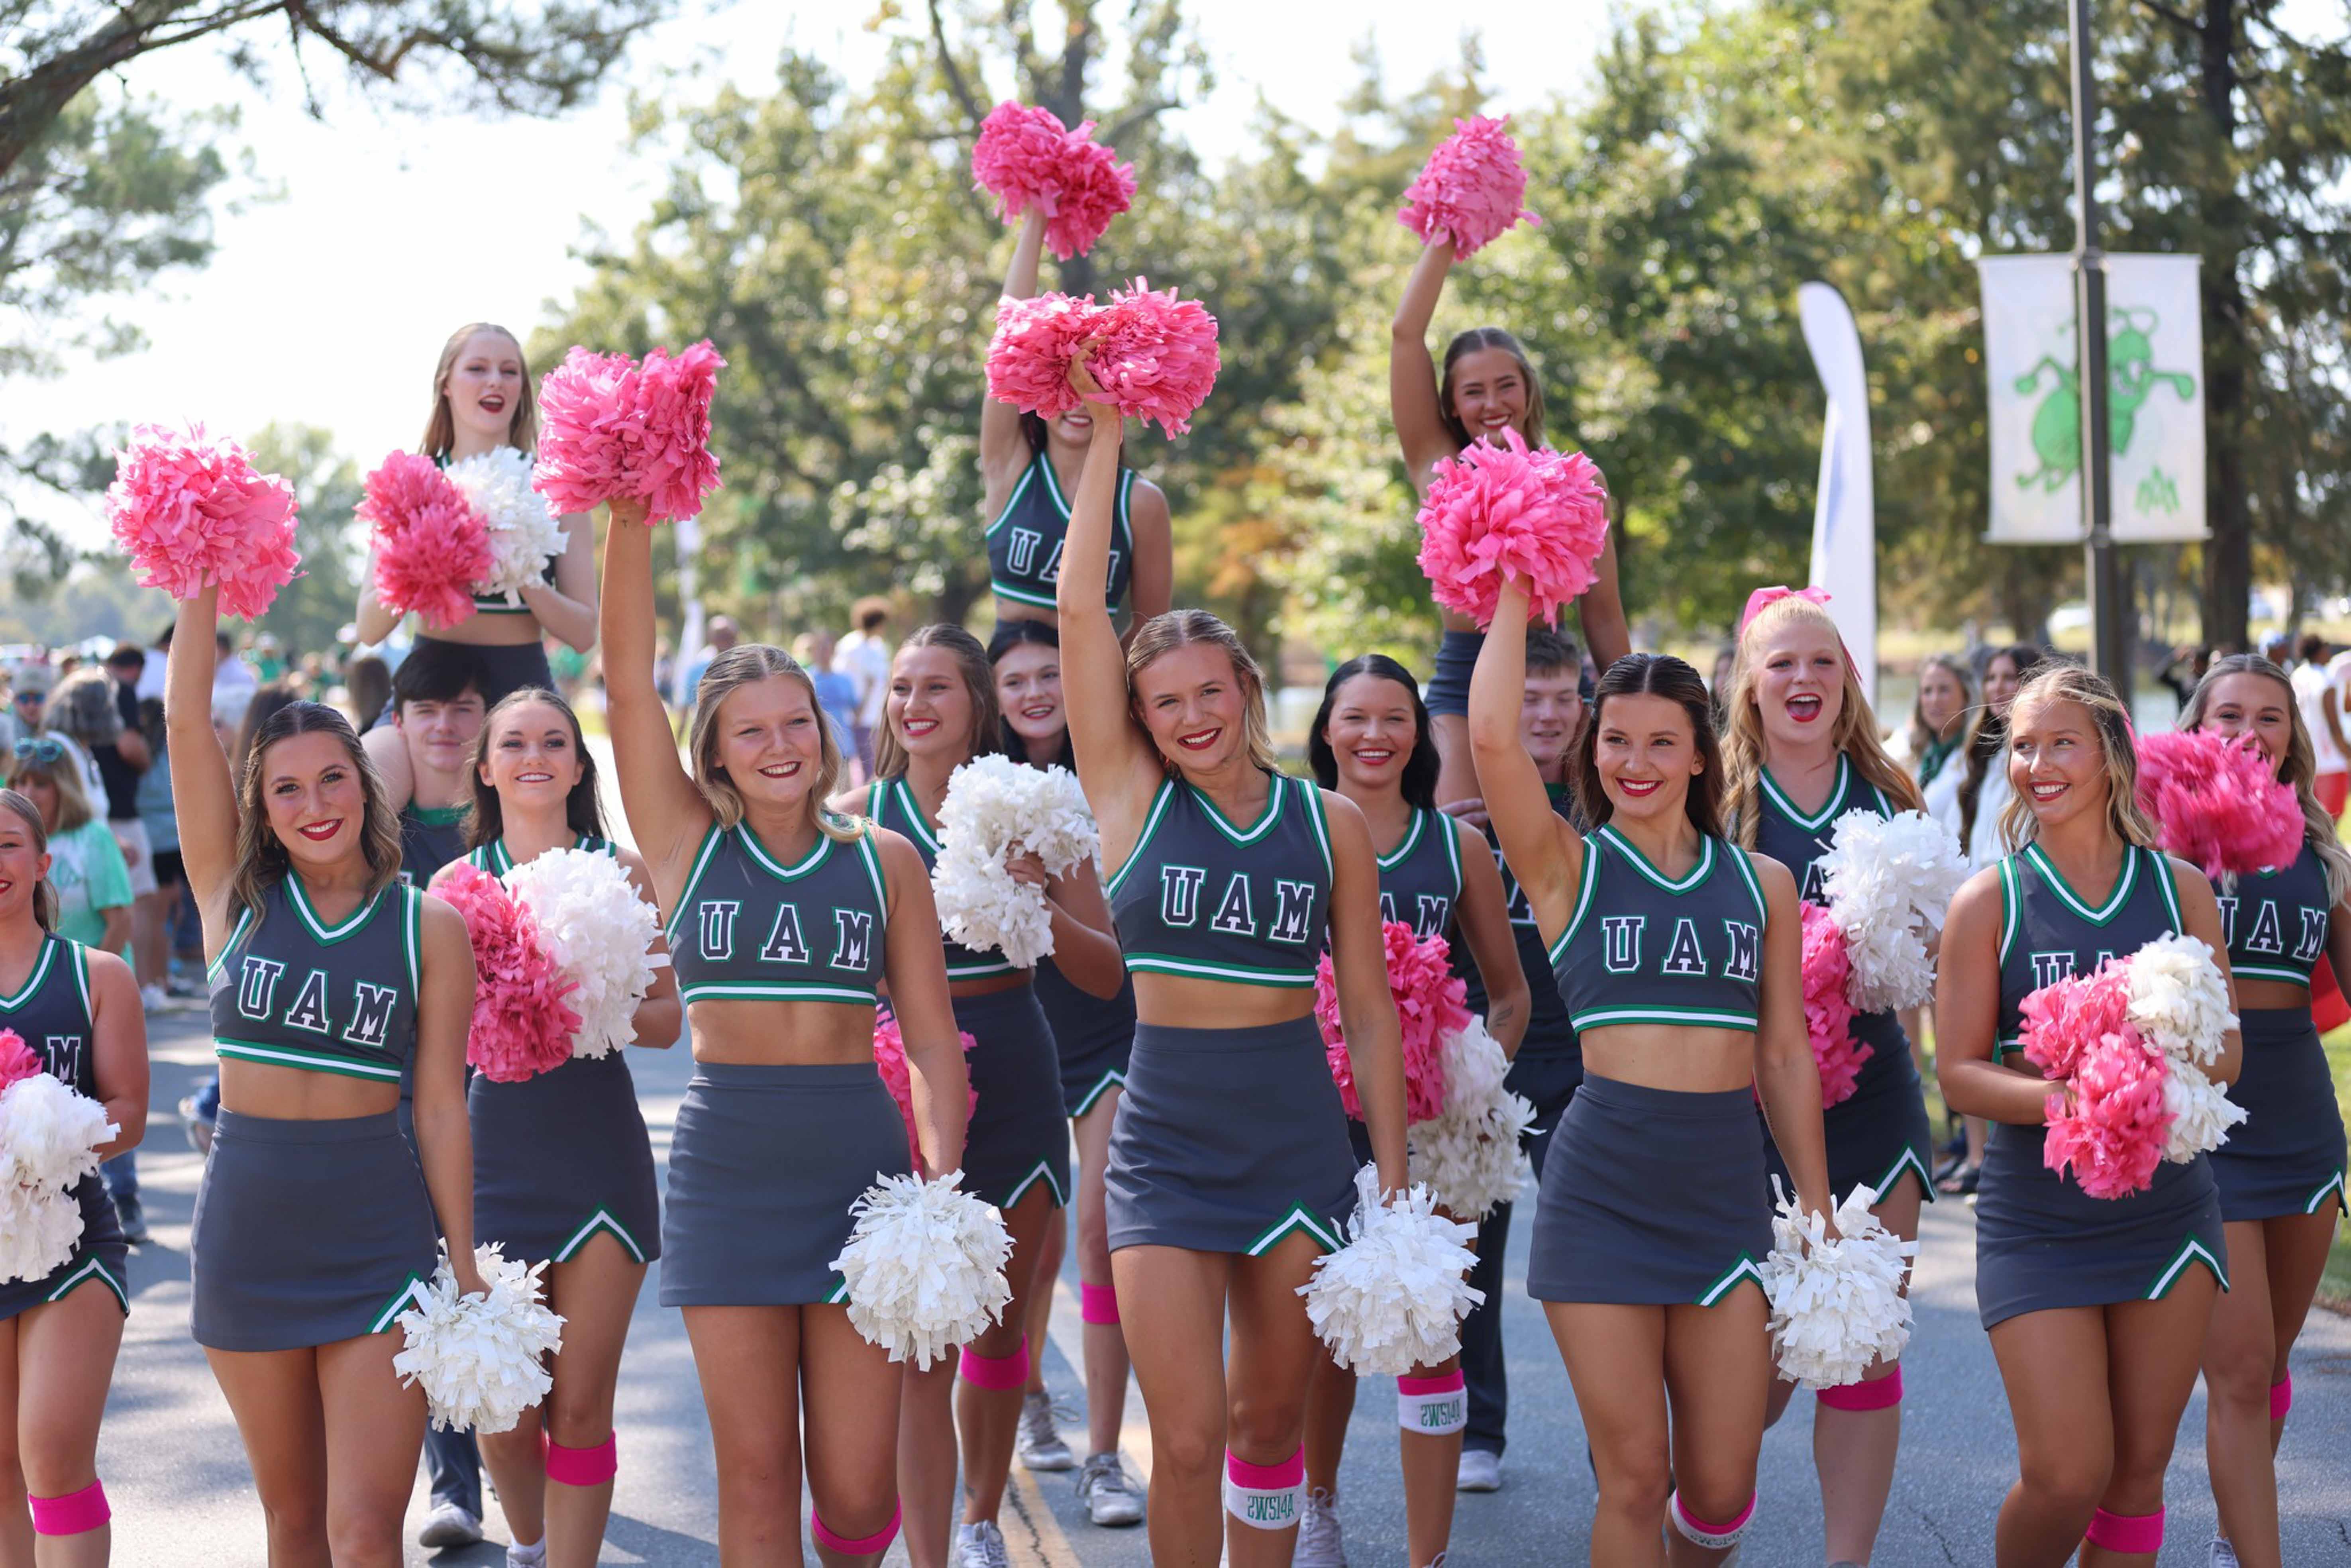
(86, 867)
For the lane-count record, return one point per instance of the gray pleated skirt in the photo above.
(2043, 1243)
(1650, 1197)
(1017, 1138)
(560, 1157)
(1227, 1140)
(762, 1169)
(98, 1257)
(1878, 1134)
(2286, 1156)
(1093, 1036)
(307, 1233)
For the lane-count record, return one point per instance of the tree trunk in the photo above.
(2228, 554)
(1063, 90)
(2026, 592)
(30, 104)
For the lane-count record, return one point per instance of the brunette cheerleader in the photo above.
(940, 713)
(1801, 750)
(1229, 1165)
(2097, 1308)
(78, 1010)
(314, 1226)
(1678, 955)
(563, 1170)
(1093, 1037)
(2281, 1172)
(1371, 743)
(784, 921)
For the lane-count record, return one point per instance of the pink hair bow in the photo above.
(1763, 598)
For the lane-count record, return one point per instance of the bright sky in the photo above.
(327, 307)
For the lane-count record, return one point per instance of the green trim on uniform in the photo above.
(1161, 964)
(328, 935)
(1907, 1159)
(2190, 1251)
(2012, 911)
(767, 863)
(1587, 883)
(32, 985)
(236, 933)
(1453, 831)
(1157, 814)
(413, 932)
(1242, 838)
(1318, 822)
(1696, 876)
(1028, 477)
(839, 1294)
(1110, 1079)
(413, 1290)
(1598, 1018)
(912, 810)
(773, 991)
(91, 1268)
(2116, 897)
(1744, 864)
(2000, 1048)
(277, 1056)
(2335, 1185)
(1042, 1171)
(702, 854)
(1396, 856)
(78, 957)
(1826, 814)
(2263, 972)
(436, 816)
(1744, 1268)
(1298, 1218)
(869, 853)
(2169, 886)
(600, 1220)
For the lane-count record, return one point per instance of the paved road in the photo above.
(182, 1496)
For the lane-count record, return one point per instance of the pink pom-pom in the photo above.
(675, 469)
(1430, 1003)
(1024, 157)
(1470, 190)
(17, 1060)
(431, 543)
(890, 1061)
(191, 511)
(613, 427)
(521, 1025)
(1505, 510)
(1029, 359)
(1828, 1016)
(1155, 355)
(2114, 1131)
(2218, 804)
(2066, 1019)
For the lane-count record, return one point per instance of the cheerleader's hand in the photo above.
(1081, 380)
(630, 512)
(1029, 868)
(469, 1277)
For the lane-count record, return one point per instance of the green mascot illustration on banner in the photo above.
(2131, 379)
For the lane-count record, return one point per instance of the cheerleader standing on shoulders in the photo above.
(939, 714)
(1371, 743)
(1230, 1167)
(1488, 386)
(2097, 1308)
(2281, 1172)
(1679, 958)
(784, 921)
(1030, 464)
(563, 1170)
(78, 1010)
(1801, 750)
(314, 1226)
(1092, 1038)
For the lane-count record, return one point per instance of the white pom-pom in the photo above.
(1469, 1153)
(523, 532)
(2201, 1111)
(1889, 881)
(482, 1359)
(2179, 1000)
(993, 808)
(1394, 1297)
(599, 930)
(50, 1134)
(1836, 1306)
(925, 1266)
(39, 1227)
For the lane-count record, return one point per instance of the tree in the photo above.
(310, 610)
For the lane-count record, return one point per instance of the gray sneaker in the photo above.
(2223, 1555)
(449, 1525)
(1480, 1471)
(980, 1546)
(1321, 1542)
(1109, 1496)
(1039, 1446)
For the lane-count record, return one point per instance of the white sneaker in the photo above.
(449, 1525)
(1039, 1446)
(2223, 1555)
(1110, 1497)
(1479, 1471)
(1321, 1542)
(980, 1546)
(531, 1556)
(152, 998)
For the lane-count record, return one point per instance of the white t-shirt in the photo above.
(866, 660)
(2310, 688)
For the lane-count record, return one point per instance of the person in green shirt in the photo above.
(92, 880)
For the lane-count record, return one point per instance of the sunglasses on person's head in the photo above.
(41, 748)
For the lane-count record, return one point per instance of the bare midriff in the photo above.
(754, 1033)
(301, 1095)
(1671, 1056)
(1177, 1001)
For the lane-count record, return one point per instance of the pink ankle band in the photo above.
(995, 1371)
(1874, 1396)
(1443, 1383)
(2132, 1532)
(1290, 1473)
(862, 1546)
(2281, 1398)
(72, 1515)
(1097, 1304)
(1703, 1528)
(583, 1466)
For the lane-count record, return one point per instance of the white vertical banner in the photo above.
(2155, 380)
(1845, 516)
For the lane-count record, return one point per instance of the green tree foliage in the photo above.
(310, 610)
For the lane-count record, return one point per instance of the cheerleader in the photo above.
(78, 1010)
(1369, 742)
(1679, 958)
(1801, 750)
(1975, 808)
(1092, 1038)
(2281, 1172)
(2097, 1308)
(314, 1225)
(482, 400)
(563, 1170)
(1229, 1165)
(939, 714)
(1028, 466)
(1488, 385)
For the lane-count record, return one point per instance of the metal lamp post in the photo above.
(2111, 615)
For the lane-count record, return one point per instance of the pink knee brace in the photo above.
(1877, 1396)
(1097, 1304)
(1434, 1407)
(1264, 1497)
(995, 1371)
(583, 1466)
(73, 1513)
(861, 1546)
(2281, 1398)
(1698, 1533)
(2128, 1532)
